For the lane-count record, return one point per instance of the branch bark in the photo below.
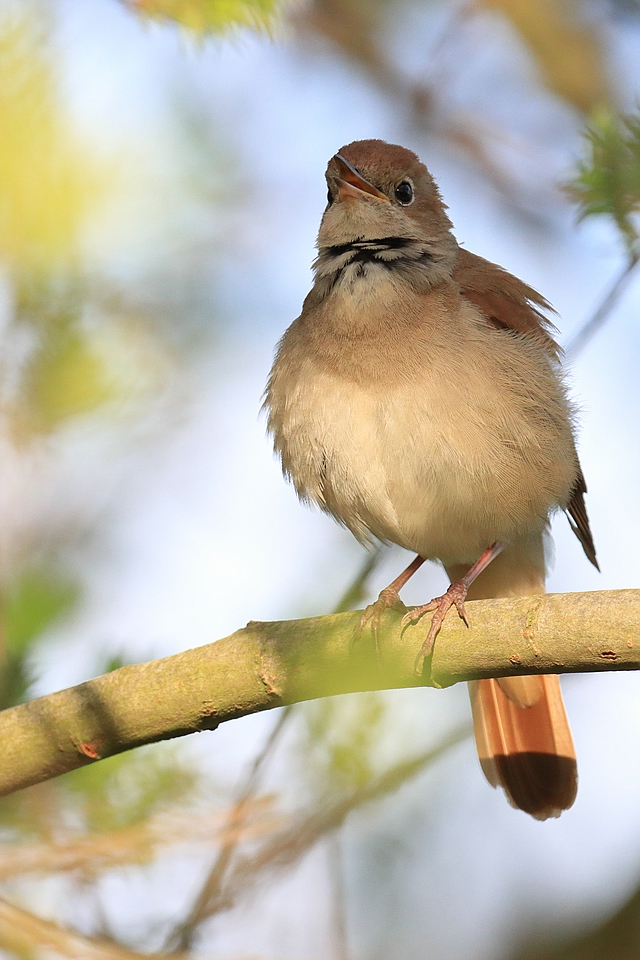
(267, 665)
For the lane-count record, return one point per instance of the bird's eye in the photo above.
(404, 193)
(329, 197)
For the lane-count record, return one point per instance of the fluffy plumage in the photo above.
(418, 399)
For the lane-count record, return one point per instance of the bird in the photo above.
(419, 399)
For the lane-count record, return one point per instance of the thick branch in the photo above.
(267, 665)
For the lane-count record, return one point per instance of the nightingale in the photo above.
(418, 399)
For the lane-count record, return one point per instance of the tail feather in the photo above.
(523, 691)
(527, 750)
(522, 733)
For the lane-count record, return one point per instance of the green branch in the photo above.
(268, 665)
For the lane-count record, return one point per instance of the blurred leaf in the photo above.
(48, 181)
(128, 788)
(617, 938)
(67, 376)
(211, 16)
(342, 735)
(568, 50)
(608, 180)
(75, 369)
(33, 603)
(29, 606)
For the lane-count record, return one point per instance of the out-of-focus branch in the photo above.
(589, 329)
(182, 936)
(26, 935)
(356, 30)
(338, 896)
(286, 847)
(137, 843)
(266, 665)
(210, 891)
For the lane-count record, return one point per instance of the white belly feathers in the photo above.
(429, 466)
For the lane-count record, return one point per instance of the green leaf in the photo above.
(342, 737)
(211, 16)
(128, 788)
(608, 179)
(65, 377)
(33, 603)
(30, 605)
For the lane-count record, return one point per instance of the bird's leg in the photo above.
(454, 597)
(387, 599)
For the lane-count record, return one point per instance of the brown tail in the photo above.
(527, 750)
(522, 733)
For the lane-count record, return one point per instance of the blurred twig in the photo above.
(586, 333)
(358, 28)
(183, 935)
(134, 844)
(203, 18)
(339, 897)
(28, 936)
(288, 846)
(357, 589)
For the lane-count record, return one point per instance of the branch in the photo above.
(586, 332)
(137, 843)
(267, 665)
(286, 847)
(210, 890)
(26, 935)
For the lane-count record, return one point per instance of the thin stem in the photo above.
(285, 849)
(586, 333)
(338, 896)
(356, 591)
(205, 903)
(208, 900)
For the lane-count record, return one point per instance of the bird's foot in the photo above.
(454, 597)
(388, 599)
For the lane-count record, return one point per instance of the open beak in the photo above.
(351, 184)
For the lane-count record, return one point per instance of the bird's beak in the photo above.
(351, 184)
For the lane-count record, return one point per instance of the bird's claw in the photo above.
(454, 597)
(388, 599)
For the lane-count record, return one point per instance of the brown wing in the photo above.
(510, 304)
(504, 300)
(578, 519)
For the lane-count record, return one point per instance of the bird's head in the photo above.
(380, 190)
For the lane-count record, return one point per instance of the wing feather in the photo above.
(505, 301)
(510, 304)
